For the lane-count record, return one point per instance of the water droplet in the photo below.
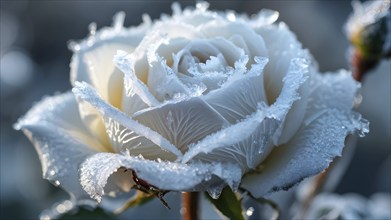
(159, 160)
(73, 46)
(52, 173)
(57, 183)
(61, 208)
(231, 16)
(202, 5)
(92, 28)
(250, 211)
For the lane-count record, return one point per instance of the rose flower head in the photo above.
(195, 101)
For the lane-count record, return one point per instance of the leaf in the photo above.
(228, 204)
(138, 199)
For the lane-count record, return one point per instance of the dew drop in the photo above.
(92, 28)
(73, 46)
(61, 208)
(231, 16)
(250, 211)
(57, 183)
(52, 173)
(202, 5)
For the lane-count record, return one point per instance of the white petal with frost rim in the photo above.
(239, 98)
(136, 95)
(61, 140)
(89, 94)
(96, 170)
(319, 140)
(184, 122)
(247, 143)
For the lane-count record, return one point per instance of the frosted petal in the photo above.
(247, 143)
(163, 83)
(308, 153)
(124, 139)
(184, 122)
(92, 59)
(286, 107)
(169, 30)
(254, 42)
(92, 63)
(239, 98)
(136, 95)
(88, 94)
(97, 169)
(318, 142)
(61, 140)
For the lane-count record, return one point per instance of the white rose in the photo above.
(192, 102)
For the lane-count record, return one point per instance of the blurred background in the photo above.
(35, 63)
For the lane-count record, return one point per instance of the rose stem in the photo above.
(190, 205)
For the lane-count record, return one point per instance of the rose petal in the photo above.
(160, 31)
(254, 42)
(92, 63)
(239, 98)
(92, 59)
(97, 169)
(136, 95)
(184, 122)
(317, 143)
(286, 108)
(88, 94)
(124, 139)
(61, 140)
(247, 143)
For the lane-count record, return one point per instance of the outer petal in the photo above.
(88, 94)
(247, 143)
(61, 140)
(92, 62)
(164, 175)
(184, 122)
(317, 143)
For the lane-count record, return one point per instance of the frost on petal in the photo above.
(88, 94)
(184, 122)
(92, 59)
(318, 141)
(92, 63)
(239, 98)
(308, 153)
(254, 42)
(96, 170)
(247, 143)
(61, 140)
(290, 104)
(136, 95)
